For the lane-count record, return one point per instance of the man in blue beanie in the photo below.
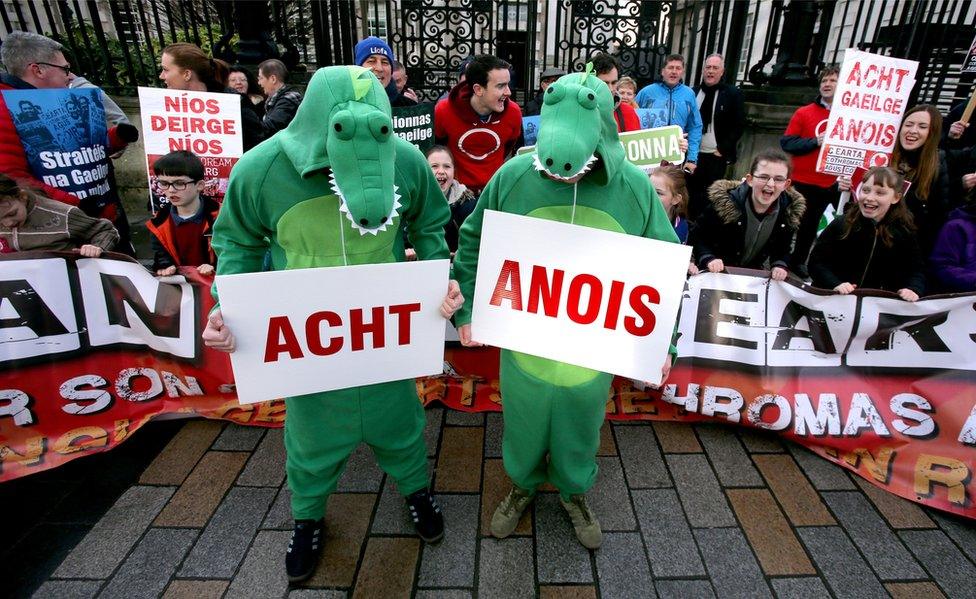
(375, 54)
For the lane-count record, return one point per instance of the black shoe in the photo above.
(426, 514)
(304, 549)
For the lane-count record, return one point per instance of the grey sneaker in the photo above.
(509, 512)
(584, 521)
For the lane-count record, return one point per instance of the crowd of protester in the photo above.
(911, 228)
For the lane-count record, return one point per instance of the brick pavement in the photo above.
(688, 511)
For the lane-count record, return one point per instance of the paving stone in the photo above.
(108, 542)
(643, 462)
(567, 592)
(459, 462)
(760, 441)
(843, 568)
(266, 468)
(729, 460)
(346, 524)
(196, 589)
(800, 588)
(561, 558)
(506, 569)
(914, 590)
(824, 474)
(610, 498)
(699, 490)
(779, 551)
(362, 473)
(392, 517)
(900, 513)
(461, 418)
(671, 547)
(963, 532)
(388, 568)
(947, 565)
(608, 446)
(263, 572)
(318, 594)
(279, 516)
(450, 563)
(731, 566)
(221, 546)
(493, 435)
(181, 454)
(684, 589)
(496, 487)
(67, 589)
(800, 502)
(432, 429)
(878, 543)
(201, 492)
(676, 437)
(621, 566)
(148, 569)
(237, 437)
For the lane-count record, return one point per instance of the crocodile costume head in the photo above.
(343, 124)
(577, 129)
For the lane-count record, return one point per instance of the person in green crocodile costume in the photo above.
(330, 190)
(553, 411)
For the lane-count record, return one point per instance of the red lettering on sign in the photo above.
(509, 286)
(358, 329)
(640, 298)
(592, 302)
(403, 324)
(313, 333)
(281, 339)
(613, 307)
(541, 289)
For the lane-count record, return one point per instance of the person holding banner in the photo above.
(553, 411)
(918, 158)
(330, 190)
(873, 246)
(185, 66)
(678, 104)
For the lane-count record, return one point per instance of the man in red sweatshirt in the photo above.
(479, 122)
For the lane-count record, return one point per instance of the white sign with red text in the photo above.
(869, 101)
(579, 295)
(207, 124)
(319, 329)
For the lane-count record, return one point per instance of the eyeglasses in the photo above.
(64, 67)
(765, 179)
(177, 185)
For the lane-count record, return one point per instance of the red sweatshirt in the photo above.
(804, 124)
(479, 147)
(626, 117)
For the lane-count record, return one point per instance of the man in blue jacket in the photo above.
(676, 104)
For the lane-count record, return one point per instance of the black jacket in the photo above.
(533, 107)
(729, 118)
(862, 259)
(721, 229)
(931, 214)
(280, 109)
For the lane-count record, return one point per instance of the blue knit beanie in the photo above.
(373, 45)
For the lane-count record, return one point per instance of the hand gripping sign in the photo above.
(579, 295)
(321, 329)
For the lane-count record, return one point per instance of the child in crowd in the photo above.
(180, 230)
(672, 189)
(953, 261)
(626, 90)
(459, 198)
(873, 246)
(30, 221)
(750, 223)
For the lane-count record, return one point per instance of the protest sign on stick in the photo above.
(584, 296)
(334, 328)
(207, 124)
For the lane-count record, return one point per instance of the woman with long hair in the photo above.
(917, 157)
(185, 66)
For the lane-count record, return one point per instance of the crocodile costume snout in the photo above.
(330, 190)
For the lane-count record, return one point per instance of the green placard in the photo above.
(415, 124)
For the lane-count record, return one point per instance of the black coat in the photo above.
(864, 260)
(533, 107)
(729, 118)
(280, 109)
(720, 231)
(931, 214)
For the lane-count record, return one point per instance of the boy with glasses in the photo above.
(751, 223)
(181, 229)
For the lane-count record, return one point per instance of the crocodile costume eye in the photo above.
(554, 94)
(344, 125)
(379, 127)
(586, 98)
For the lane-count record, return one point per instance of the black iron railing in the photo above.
(767, 43)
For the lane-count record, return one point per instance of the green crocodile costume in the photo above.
(330, 190)
(551, 408)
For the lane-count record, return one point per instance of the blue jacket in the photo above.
(679, 107)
